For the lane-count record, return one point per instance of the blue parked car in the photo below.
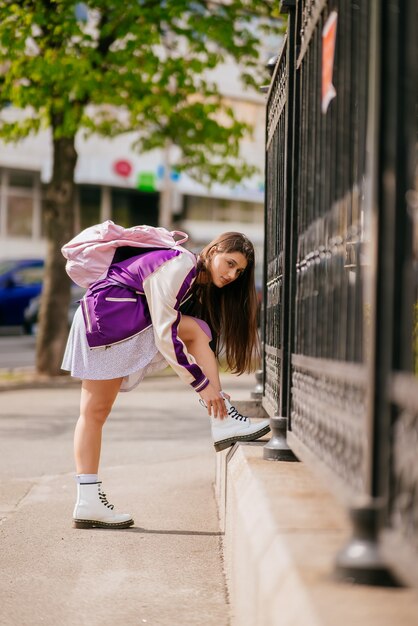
(31, 314)
(20, 281)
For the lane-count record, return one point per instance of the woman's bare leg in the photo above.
(97, 398)
(197, 343)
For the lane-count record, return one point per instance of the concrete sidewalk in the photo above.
(157, 464)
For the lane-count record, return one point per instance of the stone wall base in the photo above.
(282, 532)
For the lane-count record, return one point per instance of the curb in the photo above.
(282, 530)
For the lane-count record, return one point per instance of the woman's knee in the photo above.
(191, 330)
(97, 398)
(95, 413)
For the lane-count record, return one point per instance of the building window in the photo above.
(211, 209)
(21, 179)
(89, 198)
(20, 216)
(131, 207)
(20, 204)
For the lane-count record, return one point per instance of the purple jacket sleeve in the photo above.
(164, 289)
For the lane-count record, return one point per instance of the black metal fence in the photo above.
(340, 307)
(274, 230)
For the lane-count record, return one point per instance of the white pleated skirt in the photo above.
(132, 359)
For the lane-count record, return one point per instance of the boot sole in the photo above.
(227, 443)
(91, 523)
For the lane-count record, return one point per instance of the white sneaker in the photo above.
(235, 427)
(92, 510)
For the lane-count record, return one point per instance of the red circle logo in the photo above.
(122, 168)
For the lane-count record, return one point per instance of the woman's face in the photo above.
(225, 267)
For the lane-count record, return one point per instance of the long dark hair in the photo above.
(231, 311)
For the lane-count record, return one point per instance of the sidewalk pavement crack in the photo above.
(11, 510)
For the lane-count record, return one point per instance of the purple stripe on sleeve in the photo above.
(182, 360)
(192, 368)
(202, 385)
(185, 286)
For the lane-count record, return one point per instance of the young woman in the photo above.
(159, 307)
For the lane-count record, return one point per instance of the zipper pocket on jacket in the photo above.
(86, 312)
(109, 299)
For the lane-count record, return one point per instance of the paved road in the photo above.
(17, 351)
(158, 465)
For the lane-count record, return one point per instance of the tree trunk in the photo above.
(59, 223)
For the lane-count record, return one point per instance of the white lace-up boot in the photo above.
(92, 510)
(235, 427)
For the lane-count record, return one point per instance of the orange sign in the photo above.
(328, 48)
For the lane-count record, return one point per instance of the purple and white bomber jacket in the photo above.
(143, 291)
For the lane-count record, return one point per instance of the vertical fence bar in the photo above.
(400, 188)
(279, 156)
(362, 559)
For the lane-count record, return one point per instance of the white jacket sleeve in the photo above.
(164, 290)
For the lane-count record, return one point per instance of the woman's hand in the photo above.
(214, 402)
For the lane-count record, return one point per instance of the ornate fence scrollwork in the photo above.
(328, 408)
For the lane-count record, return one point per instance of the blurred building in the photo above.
(115, 182)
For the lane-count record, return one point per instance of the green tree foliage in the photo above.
(111, 67)
(137, 65)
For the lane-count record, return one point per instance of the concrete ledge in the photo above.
(254, 410)
(282, 531)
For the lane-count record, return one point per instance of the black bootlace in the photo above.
(103, 500)
(232, 412)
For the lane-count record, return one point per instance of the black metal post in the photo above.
(362, 560)
(277, 448)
